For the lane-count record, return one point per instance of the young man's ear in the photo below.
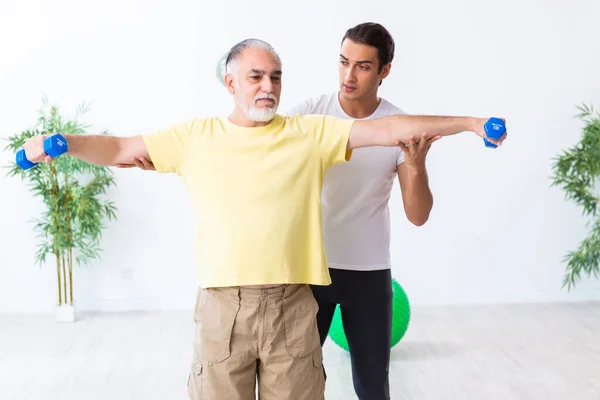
(229, 82)
(385, 71)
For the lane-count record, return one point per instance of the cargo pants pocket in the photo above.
(215, 317)
(300, 322)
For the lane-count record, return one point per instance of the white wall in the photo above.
(498, 231)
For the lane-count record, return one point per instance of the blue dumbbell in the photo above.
(54, 146)
(494, 129)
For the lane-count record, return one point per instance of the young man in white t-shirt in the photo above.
(356, 220)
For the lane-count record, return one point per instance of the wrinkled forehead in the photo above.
(260, 61)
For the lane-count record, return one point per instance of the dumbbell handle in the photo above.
(54, 146)
(494, 129)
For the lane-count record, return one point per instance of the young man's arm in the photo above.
(94, 149)
(414, 183)
(395, 129)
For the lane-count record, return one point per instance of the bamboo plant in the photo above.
(73, 193)
(576, 170)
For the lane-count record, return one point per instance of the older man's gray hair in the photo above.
(235, 54)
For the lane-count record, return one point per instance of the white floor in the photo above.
(516, 352)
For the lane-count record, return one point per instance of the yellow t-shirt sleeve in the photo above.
(332, 135)
(167, 147)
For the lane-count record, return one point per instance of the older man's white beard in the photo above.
(262, 114)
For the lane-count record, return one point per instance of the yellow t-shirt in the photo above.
(256, 194)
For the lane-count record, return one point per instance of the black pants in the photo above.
(365, 299)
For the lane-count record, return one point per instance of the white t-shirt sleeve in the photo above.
(301, 108)
(400, 158)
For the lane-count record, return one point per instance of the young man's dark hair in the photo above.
(373, 34)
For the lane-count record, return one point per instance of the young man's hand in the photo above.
(141, 163)
(415, 153)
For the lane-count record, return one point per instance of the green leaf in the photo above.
(73, 192)
(576, 171)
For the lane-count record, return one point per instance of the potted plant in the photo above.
(70, 228)
(576, 171)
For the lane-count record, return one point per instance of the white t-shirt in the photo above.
(355, 196)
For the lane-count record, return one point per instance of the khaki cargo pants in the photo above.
(247, 335)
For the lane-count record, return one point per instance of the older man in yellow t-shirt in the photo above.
(255, 179)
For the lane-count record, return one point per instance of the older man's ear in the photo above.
(141, 163)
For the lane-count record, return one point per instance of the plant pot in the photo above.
(65, 313)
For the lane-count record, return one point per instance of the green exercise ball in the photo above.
(400, 319)
(221, 69)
